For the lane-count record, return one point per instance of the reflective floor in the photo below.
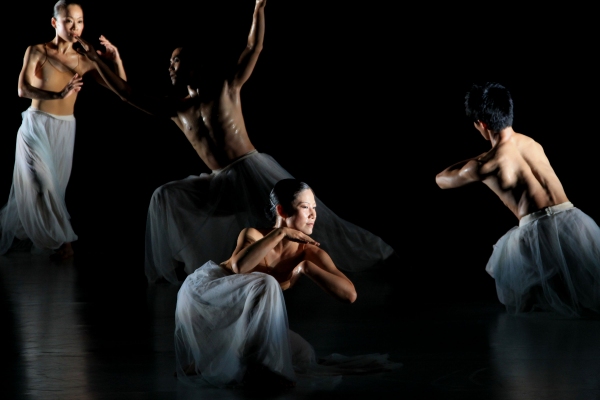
(91, 328)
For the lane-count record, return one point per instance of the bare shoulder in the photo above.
(253, 234)
(315, 253)
(35, 51)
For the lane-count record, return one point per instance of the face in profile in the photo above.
(69, 24)
(305, 212)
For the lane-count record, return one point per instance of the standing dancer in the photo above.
(51, 77)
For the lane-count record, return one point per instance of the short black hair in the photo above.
(490, 103)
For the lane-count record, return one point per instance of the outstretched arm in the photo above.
(144, 101)
(26, 77)
(249, 56)
(460, 174)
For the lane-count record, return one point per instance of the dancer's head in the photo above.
(293, 205)
(490, 104)
(67, 20)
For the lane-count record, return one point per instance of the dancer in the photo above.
(551, 260)
(231, 325)
(51, 77)
(191, 221)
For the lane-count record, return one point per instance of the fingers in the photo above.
(193, 93)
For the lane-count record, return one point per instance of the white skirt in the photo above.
(197, 219)
(36, 207)
(225, 323)
(550, 262)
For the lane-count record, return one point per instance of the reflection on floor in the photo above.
(90, 328)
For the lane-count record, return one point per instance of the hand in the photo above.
(73, 86)
(297, 236)
(193, 93)
(111, 52)
(86, 49)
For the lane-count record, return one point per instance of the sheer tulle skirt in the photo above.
(552, 263)
(227, 323)
(36, 207)
(197, 219)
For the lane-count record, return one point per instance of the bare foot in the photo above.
(63, 252)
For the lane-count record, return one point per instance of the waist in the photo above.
(237, 160)
(545, 211)
(61, 117)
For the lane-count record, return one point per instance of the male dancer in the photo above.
(192, 220)
(51, 77)
(551, 261)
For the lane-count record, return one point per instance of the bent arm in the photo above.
(319, 267)
(459, 174)
(252, 247)
(31, 60)
(249, 56)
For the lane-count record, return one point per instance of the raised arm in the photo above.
(143, 101)
(249, 56)
(112, 53)
(32, 59)
(460, 174)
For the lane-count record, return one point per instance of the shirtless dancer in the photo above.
(51, 77)
(190, 220)
(551, 261)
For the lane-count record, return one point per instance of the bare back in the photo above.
(214, 127)
(519, 172)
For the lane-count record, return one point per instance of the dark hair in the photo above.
(490, 103)
(61, 5)
(284, 193)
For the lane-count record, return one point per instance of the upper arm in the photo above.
(321, 258)
(246, 238)
(31, 61)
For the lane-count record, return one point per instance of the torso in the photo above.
(519, 172)
(53, 72)
(215, 128)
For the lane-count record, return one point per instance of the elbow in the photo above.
(350, 296)
(235, 267)
(21, 92)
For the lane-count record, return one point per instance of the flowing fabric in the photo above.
(226, 323)
(36, 208)
(197, 219)
(550, 262)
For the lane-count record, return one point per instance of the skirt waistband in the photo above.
(545, 211)
(237, 160)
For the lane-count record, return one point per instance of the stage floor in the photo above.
(91, 328)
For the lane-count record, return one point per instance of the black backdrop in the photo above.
(364, 101)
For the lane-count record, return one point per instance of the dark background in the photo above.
(364, 101)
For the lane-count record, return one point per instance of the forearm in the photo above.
(119, 69)
(459, 174)
(115, 82)
(31, 92)
(337, 286)
(249, 258)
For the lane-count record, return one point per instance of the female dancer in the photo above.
(231, 320)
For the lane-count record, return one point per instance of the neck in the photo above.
(500, 136)
(62, 46)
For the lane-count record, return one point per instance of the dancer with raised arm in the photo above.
(551, 260)
(193, 220)
(51, 77)
(231, 326)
